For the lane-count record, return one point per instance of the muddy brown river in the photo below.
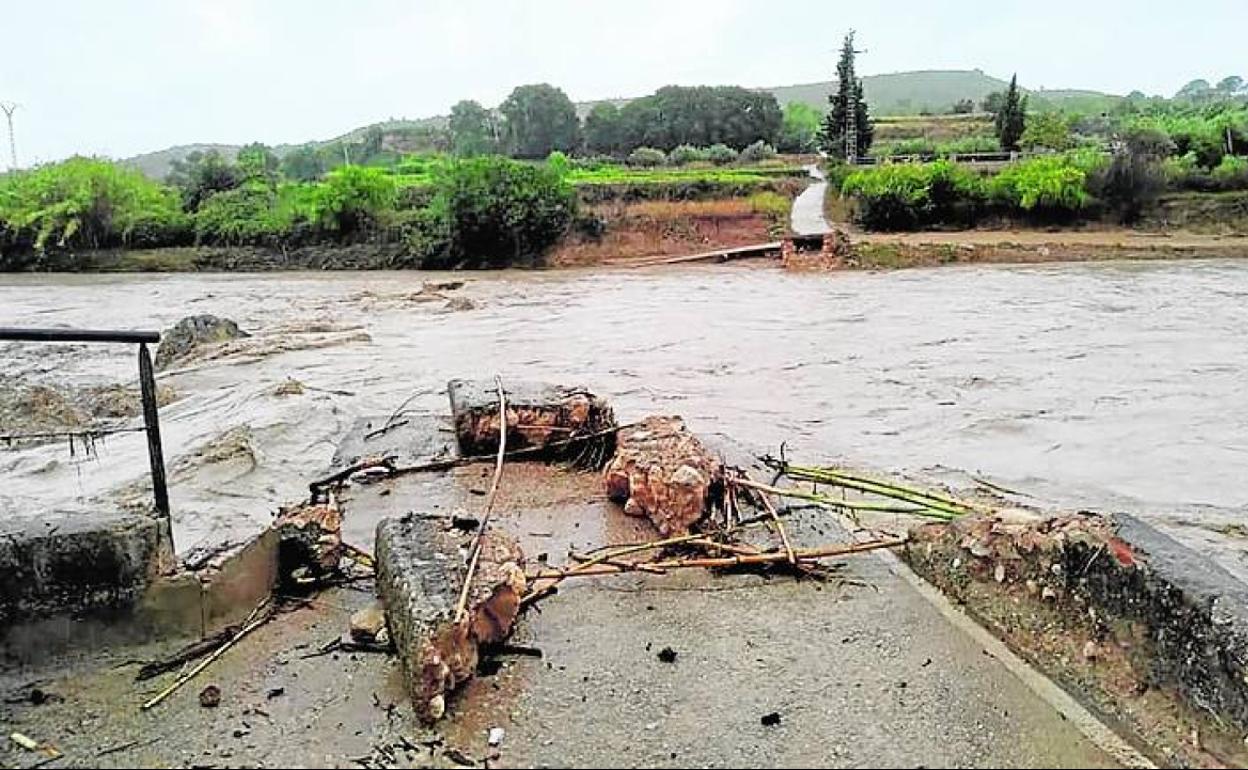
(1113, 386)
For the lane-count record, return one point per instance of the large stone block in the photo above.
(421, 565)
(538, 414)
(662, 471)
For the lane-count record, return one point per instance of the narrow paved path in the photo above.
(807, 215)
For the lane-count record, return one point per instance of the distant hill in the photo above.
(902, 93)
(158, 164)
(896, 93)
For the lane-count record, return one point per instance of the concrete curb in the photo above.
(1151, 633)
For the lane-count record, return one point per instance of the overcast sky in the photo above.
(119, 77)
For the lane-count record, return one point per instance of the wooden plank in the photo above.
(718, 255)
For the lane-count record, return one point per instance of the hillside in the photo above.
(157, 164)
(902, 93)
(896, 93)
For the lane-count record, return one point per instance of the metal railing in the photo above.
(147, 391)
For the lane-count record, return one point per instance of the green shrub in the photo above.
(1048, 184)
(490, 211)
(756, 152)
(88, 203)
(353, 198)
(720, 154)
(243, 216)
(905, 196)
(646, 157)
(686, 153)
(1231, 173)
(559, 163)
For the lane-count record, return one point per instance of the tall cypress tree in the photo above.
(848, 97)
(1012, 117)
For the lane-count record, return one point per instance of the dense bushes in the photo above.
(1051, 184)
(720, 154)
(905, 196)
(646, 156)
(489, 211)
(757, 152)
(87, 203)
(480, 211)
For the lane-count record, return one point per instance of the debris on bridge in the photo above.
(663, 472)
(538, 415)
(420, 573)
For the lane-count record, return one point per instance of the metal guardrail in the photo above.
(147, 388)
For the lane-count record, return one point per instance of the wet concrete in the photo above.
(807, 217)
(861, 671)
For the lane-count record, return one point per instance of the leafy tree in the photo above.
(1046, 130)
(799, 131)
(257, 161)
(1231, 85)
(1195, 90)
(491, 211)
(604, 129)
(472, 129)
(993, 102)
(700, 116)
(1011, 118)
(201, 174)
(963, 107)
(847, 103)
(540, 119)
(303, 164)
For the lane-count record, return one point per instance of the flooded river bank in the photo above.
(1112, 385)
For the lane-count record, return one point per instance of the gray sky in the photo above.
(119, 77)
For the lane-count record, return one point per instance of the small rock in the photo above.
(667, 655)
(1048, 593)
(496, 736)
(192, 332)
(1091, 651)
(999, 573)
(210, 697)
(368, 622)
(1033, 587)
(957, 563)
(771, 720)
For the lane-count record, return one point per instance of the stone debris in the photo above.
(367, 623)
(420, 569)
(192, 333)
(309, 541)
(538, 414)
(662, 471)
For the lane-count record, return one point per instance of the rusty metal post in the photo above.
(147, 387)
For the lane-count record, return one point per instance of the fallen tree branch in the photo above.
(475, 554)
(254, 621)
(775, 517)
(384, 461)
(768, 557)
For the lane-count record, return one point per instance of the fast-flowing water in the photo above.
(1115, 386)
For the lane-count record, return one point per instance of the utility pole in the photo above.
(9, 108)
(851, 116)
